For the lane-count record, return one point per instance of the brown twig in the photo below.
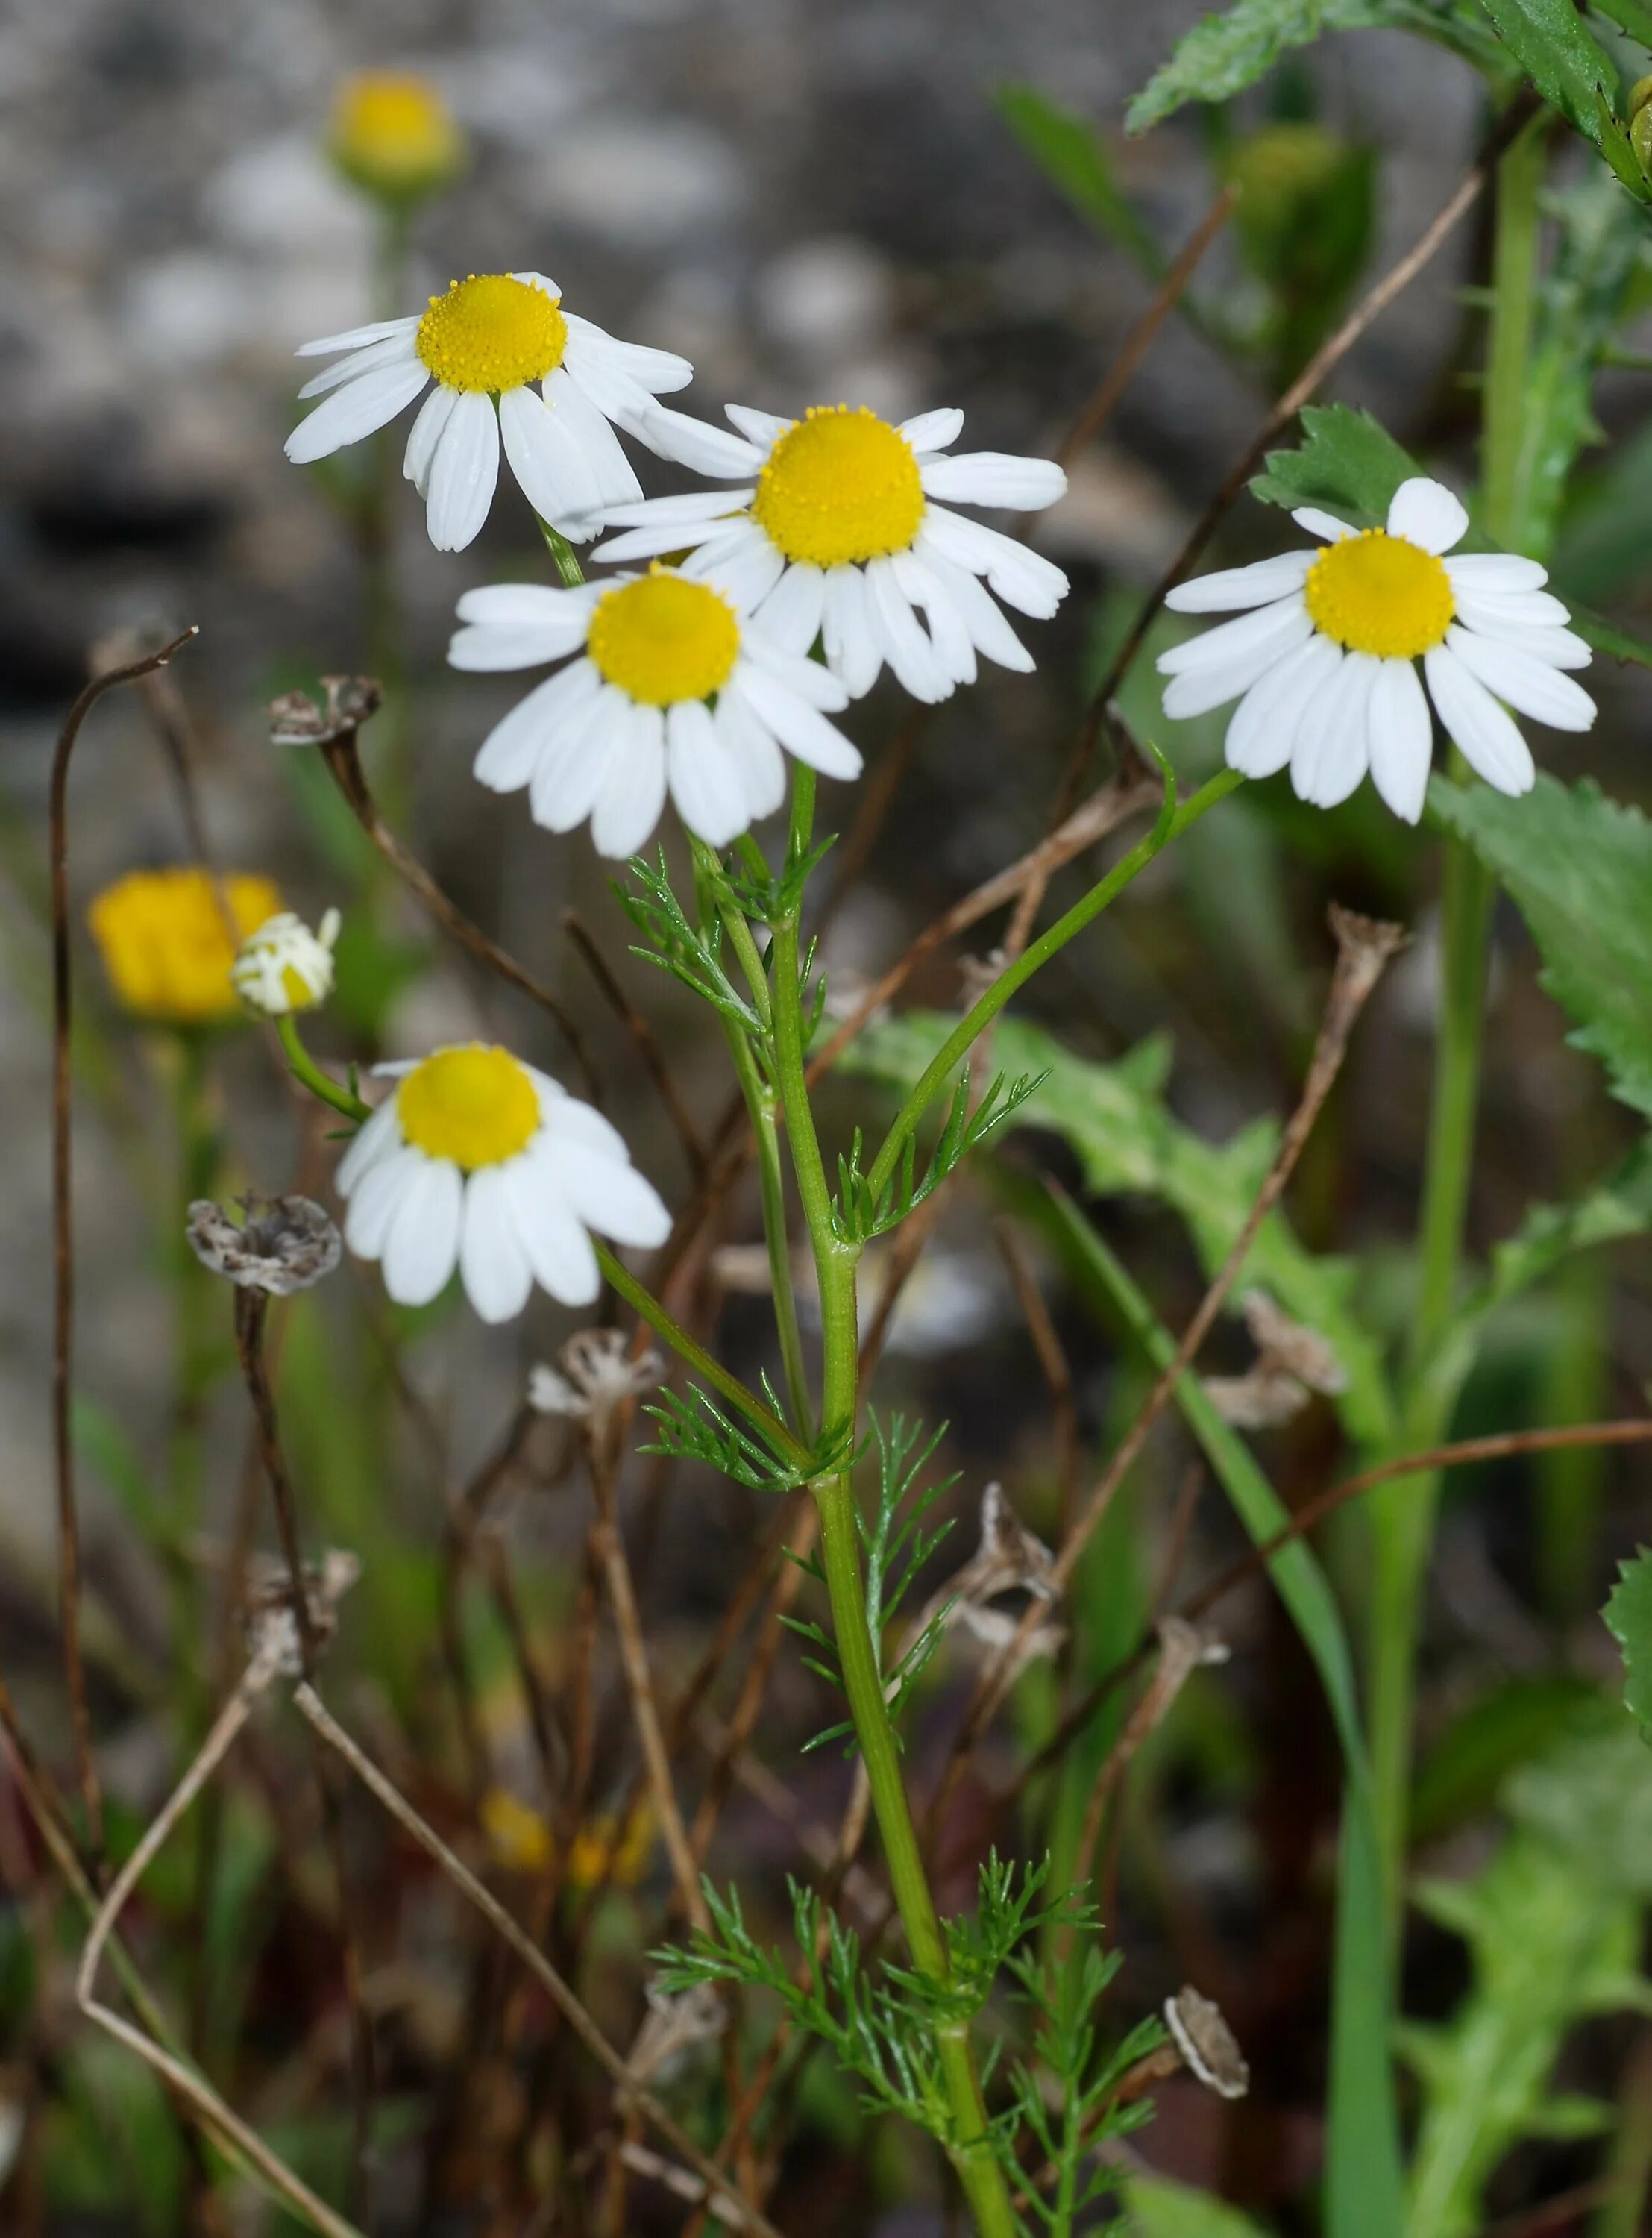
(63, 1230)
(733, 2208)
(1052, 1362)
(643, 1035)
(876, 798)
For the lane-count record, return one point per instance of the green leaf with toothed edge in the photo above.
(1629, 1618)
(1562, 59)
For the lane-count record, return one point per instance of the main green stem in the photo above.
(1402, 1513)
(834, 1262)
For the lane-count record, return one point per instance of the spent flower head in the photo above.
(674, 687)
(168, 940)
(393, 134)
(280, 1244)
(510, 363)
(475, 1160)
(597, 1373)
(844, 530)
(284, 966)
(1322, 661)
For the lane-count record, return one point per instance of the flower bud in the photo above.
(392, 135)
(1640, 94)
(1641, 130)
(283, 966)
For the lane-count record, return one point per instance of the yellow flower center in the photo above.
(474, 1105)
(391, 133)
(165, 945)
(840, 486)
(492, 333)
(662, 638)
(1380, 594)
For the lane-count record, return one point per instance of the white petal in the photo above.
(519, 626)
(422, 1247)
(492, 1263)
(573, 1121)
(423, 436)
(616, 479)
(1487, 733)
(1426, 513)
(633, 792)
(558, 1247)
(608, 1195)
(756, 755)
(379, 1134)
(762, 427)
(655, 542)
(508, 755)
(657, 370)
(906, 646)
(1284, 623)
(791, 615)
(694, 443)
(694, 508)
(807, 678)
(798, 727)
(357, 410)
(1232, 589)
(995, 478)
(1532, 687)
(1400, 737)
(853, 646)
(463, 473)
(397, 350)
(741, 562)
(1264, 727)
(377, 1199)
(563, 789)
(1324, 526)
(550, 467)
(1023, 579)
(934, 431)
(948, 634)
(605, 382)
(1558, 648)
(975, 606)
(358, 337)
(1329, 756)
(1510, 613)
(705, 784)
(1494, 571)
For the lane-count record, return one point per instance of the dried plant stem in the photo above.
(738, 2211)
(643, 1035)
(63, 1373)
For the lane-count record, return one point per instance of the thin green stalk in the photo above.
(1172, 822)
(666, 1326)
(564, 557)
(304, 1069)
(834, 1260)
(1402, 1513)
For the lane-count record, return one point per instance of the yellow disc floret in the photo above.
(391, 134)
(1380, 594)
(840, 486)
(662, 638)
(166, 945)
(492, 333)
(473, 1104)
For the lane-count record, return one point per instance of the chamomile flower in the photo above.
(284, 966)
(510, 364)
(675, 687)
(1322, 659)
(393, 135)
(843, 527)
(477, 1161)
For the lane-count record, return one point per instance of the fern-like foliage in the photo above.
(860, 1212)
(696, 1429)
(691, 953)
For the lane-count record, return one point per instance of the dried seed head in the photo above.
(673, 2024)
(1287, 1345)
(295, 719)
(1259, 1401)
(271, 1619)
(1011, 1567)
(284, 1243)
(1206, 2044)
(1363, 946)
(596, 1376)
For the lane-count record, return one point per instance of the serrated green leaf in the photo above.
(1629, 1618)
(1590, 1799)
(1564, 61)
(1114, 1116)
(1634, 16)
(1550, 1233)
(1580, 866)
(1346, 463)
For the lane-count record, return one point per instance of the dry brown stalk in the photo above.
(643, 1035)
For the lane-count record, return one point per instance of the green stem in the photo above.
(563, 554)
(304, 1069)
(834, 1260)
(1172, 822)
(1402, 1513)
(672, 1331)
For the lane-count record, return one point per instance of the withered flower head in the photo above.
(283, 1244)
(596, 1375)
(1207, 2043)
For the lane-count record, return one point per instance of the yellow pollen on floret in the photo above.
(473, 1104)
(840, 486)
(662, 638)
(491, 333)
(1380, 594)
(166, 946)
(391, 133)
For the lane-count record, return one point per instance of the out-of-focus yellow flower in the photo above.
(166, 947)
(522, 1842)
(393, 134)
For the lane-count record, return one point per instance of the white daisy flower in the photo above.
(284, 966)
(476, 1160)
(843, 529)
(1324, 656)
(675, 686)
(510, 363)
